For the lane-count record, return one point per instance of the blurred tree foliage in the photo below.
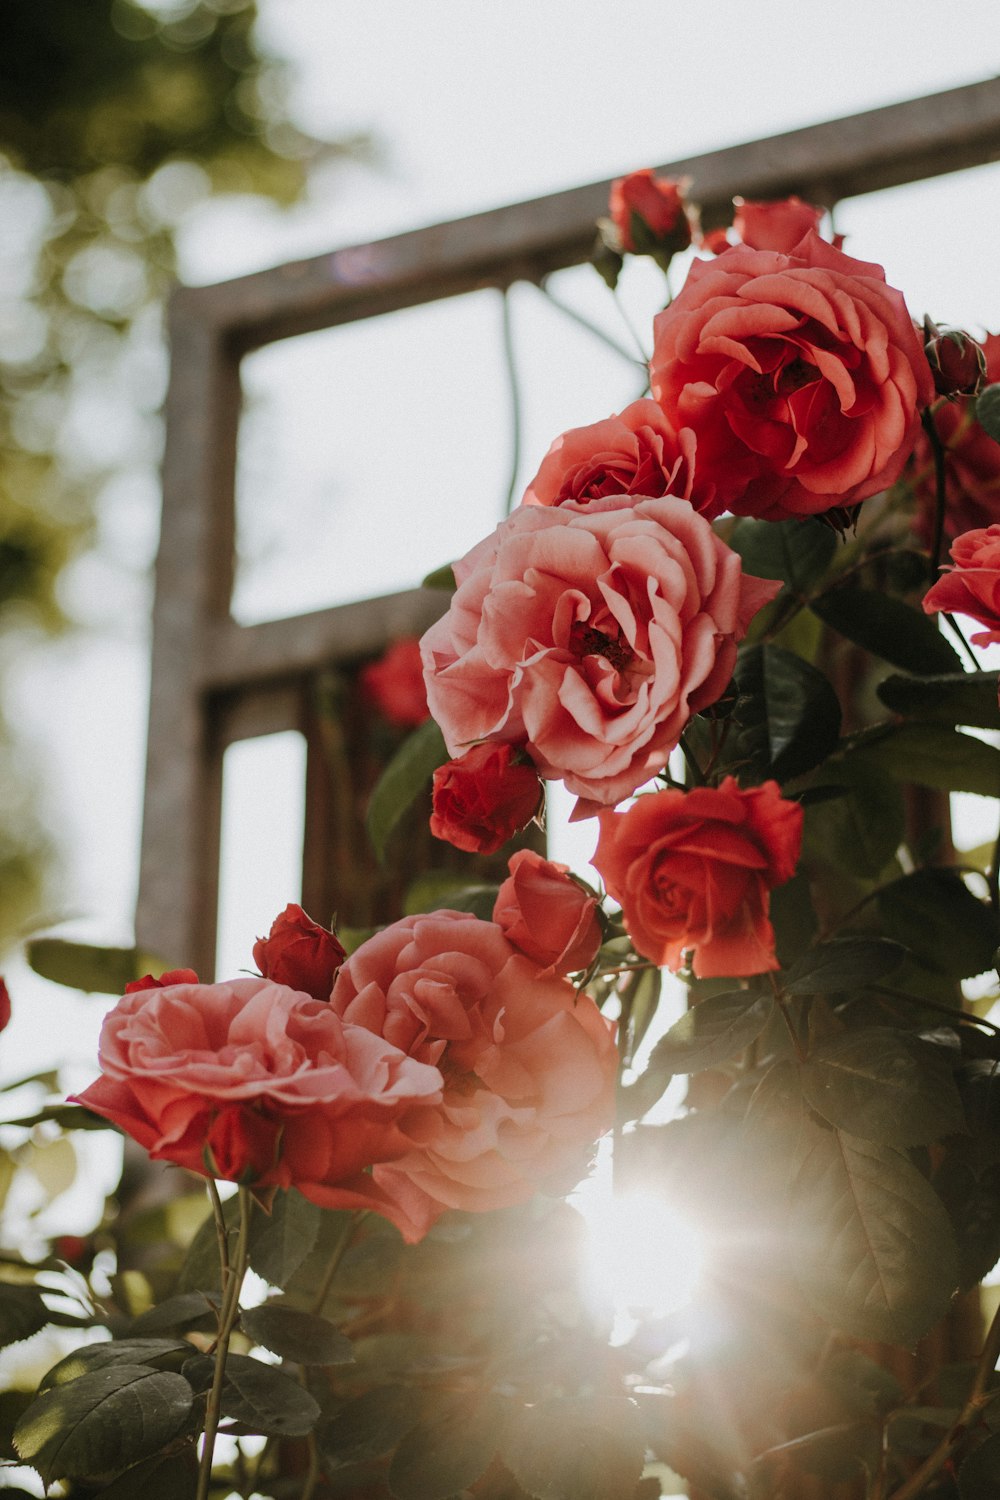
(115, 120)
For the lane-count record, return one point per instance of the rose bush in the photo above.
(254, 1082)
(801, 376)
(547, 915)
(484, 798)
(972, 586)
(529, 1066)
(299, 953)
(589, 634)
(693, 872)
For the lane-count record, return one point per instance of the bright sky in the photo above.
(474, 106)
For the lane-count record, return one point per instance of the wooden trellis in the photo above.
(214, 681)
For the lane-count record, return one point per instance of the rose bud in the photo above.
(548, 915)
(483, 798)
(648, 214)
(300, 953)
(394, 684)
(776, 225)
(957, 361)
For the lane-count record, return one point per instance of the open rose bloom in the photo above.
(972, 585)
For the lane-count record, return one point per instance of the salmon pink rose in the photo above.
(972, 586)
(254, 1082)
(588, 634)
(801, 376)
(776, 225)
(482, 799)
(395, 685)
(299, 953)
(528, 1065)
(546, 914)
(693, 872)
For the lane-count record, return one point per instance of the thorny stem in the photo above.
(514, 387)
(233, 1273)
(968, 1416)
(973, 658)
(955, 1016)
(940, 499)
(221, 1233)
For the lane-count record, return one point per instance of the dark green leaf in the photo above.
(956, 698)
(874, 1251)
(66, 1116)
(432, 892)
(173, 1476)
(988, 417)
(447, 1451)
(183, 1311)
(788, 715)
(441, 578)
(863, 1387)
(933, 755)
(22, 1313)
(884, 1085)
(559, 1451)
(149, 1352)
(258, 1395)
(104, 971)
(281, 1242)
(643, 996)
(200, 1270)
(797, 552)
(979, 1476)
(296, 1335)
(935, 915)
(843, 964)
(862, 829)
(972, 1199)
(103, 1422)
(888, 628)
(369, 1426)
(711, 1032)
(402, 781)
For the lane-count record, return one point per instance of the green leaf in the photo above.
(184, 1311)
(643, 998)
(369, 1425)
(559, 1450)
(979, 1476)
(103, 971)
(946, 928)
(843, 964)
(988, 417)
(22, 1313)
(103, 1422)
(147, 1352)
(66, 1116)
(874, 1251)
(281, 1242)
(954, 698)
(171, 1476)
(296, 1335)
(888, 628)
(447, 1451)
(861, 830)
(797, 552)
(932, 755)
(441, 578)
(258, 1395)
(439, 889)
(884, 1085)
(402, 781)
(711, 1032)
(788, 714)
(200, 1268)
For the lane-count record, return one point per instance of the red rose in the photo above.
(777, 225)
(957, 360)
(801, 376)
(693, 871)
(172, 976)
(529, 1066)
(542, 910)
(972, 586)
(299, 953)
(483, 798)
(4, 1005)
(656, 203)
(254, 1082)
(395, 684)
(972, 462)
(633, 453)
(589, 634)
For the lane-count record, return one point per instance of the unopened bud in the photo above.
(957, 361)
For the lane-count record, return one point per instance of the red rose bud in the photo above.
(545, 913)
(957, 361)
(483, 798)
(172, 976)
(299, 953)
(4, 1005)
(648, 214)
(395, 684)
(778, 225)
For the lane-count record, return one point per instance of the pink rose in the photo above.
(776, 225)
(529, 1066)
(633, 453)
(542, 910)
(299, 953)
(801, 376)
(656, 203)
(972, 462)
(972, 586)
(589, 634)
(254, 1082)
(482, 799)
(395, 684)
(693, 872)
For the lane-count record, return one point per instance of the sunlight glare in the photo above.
(642, 1259)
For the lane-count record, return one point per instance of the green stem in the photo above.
(973, 658)
(513, 385)
(578, 317)
(691, 762)
(232, 1283)
(940, 497)
(336, 1256)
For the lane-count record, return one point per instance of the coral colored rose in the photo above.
(801, 376)
(693, 872)
(589, 634)
(529, 1066)
(5, 1011)
(299, 953)
(777, 225)
(542, 910)
(657, 204)
(972, 462)
(483, 798)
(972, 586)
(633, 453)
(395, 684)
(254, 1082)
(172, 976)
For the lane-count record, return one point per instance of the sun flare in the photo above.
(642, 1259)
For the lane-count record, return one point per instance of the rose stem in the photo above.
(598, 333)
(937, 450)
(232, 1282)
(513, 386)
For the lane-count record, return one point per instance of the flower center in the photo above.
(587, 640)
